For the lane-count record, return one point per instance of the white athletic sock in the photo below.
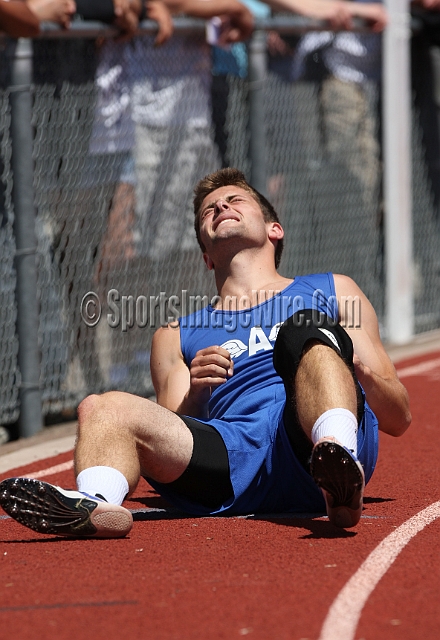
(109, 483)
(340, 423)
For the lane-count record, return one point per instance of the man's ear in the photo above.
(209, 263)
(276, 231)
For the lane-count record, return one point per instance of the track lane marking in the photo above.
(343, 616)
(35, 453)
(418, 369)
(63, 466)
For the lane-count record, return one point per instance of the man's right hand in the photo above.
(182, 388)
(210, 367)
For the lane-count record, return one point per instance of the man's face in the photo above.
(229, 212)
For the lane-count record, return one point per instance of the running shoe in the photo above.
(341, 478)
(49, 509)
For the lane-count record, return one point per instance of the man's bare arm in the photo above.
(385, 394)
(169, 372)
(182, 389)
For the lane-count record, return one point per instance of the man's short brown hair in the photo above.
(232, 177)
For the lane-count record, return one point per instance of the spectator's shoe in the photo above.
(49, 509)
(341, 478)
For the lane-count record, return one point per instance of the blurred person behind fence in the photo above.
(172, 114)
(74, 192)
(153, 116)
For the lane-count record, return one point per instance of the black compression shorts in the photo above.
(206, 479)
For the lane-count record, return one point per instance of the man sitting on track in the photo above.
(265, 403)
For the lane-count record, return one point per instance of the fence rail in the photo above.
(100, 148)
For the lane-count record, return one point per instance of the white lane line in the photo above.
(343, 616)
(64, 466)
(417, 369)
(28, 455)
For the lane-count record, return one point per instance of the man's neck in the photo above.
(244, 284)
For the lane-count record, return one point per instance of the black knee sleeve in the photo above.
(298, 330)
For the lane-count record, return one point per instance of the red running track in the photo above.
(283, 578)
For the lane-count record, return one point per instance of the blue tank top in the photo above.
(249, 336)
(247, 410)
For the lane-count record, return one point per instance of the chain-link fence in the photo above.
(121, 134)
(9, 373)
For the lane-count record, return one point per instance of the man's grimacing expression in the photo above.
(232, 211)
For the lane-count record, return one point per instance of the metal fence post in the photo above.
(257, 143)
(31, 420)
(397, 175)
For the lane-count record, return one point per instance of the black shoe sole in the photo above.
(42, 508)
(338, 474)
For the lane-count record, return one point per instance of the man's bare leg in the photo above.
(119, 436)
(326, 405)
(323, 382)
(134, 436)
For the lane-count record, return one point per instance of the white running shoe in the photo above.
(49, 509)
(341, 478)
